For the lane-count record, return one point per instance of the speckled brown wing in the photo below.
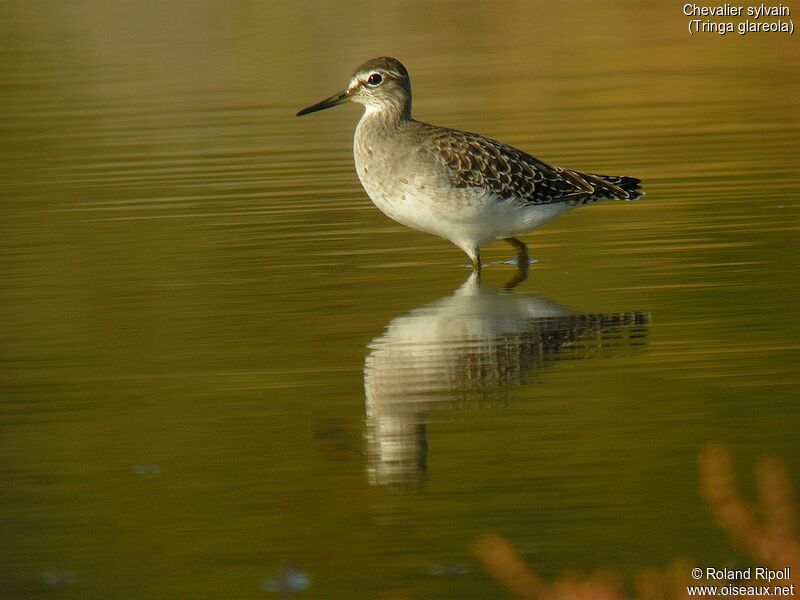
(476, 161)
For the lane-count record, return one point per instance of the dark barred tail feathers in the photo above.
(616, 188)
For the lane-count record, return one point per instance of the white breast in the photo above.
(414, 190)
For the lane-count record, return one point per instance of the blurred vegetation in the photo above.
(190, 278)
(766, 532)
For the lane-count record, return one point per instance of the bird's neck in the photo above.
(388, 115)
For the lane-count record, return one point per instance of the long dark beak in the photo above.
(327, 103)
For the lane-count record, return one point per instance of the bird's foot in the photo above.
(518, 262)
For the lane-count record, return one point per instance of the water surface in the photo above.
(220, 361)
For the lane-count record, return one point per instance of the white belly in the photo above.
(409, 188)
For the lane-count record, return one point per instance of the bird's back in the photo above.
(473, 160)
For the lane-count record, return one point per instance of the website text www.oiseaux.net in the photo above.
(741, 582)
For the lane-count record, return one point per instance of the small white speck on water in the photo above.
(291, 581)
(146, 469)
(447, 568)
(59, 577)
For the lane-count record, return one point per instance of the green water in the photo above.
(219, 360)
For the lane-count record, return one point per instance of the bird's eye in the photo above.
(374, 79)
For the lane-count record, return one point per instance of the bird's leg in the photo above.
(476, 260)
(522, 252)
(522, 263)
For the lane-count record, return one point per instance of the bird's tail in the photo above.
(618, 187)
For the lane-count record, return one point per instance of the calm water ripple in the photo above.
(219, 359)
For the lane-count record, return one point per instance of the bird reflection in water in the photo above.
(463, 351)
